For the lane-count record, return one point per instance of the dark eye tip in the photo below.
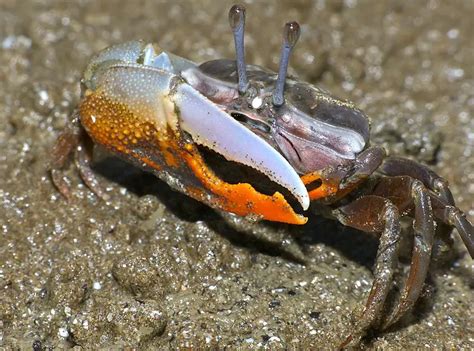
(291, 33)
(236, 16)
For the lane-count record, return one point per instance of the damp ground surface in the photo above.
(153, 268)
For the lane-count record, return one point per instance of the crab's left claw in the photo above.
(144, 114)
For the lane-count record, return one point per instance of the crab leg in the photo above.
(83, 164)
(424, 227)
(374, 214)
(455, 217)
(412, 198)
(62, 150)
(444, 207)
(73, 140)
(398, 166)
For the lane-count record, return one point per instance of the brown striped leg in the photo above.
(424, 228)
(398, 166)
(412, 198)
(444, 206)
(455, 217)
(83, 164)
(73, 141)
(376, 215)
(63, 149)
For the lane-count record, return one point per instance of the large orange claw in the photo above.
(132, 132)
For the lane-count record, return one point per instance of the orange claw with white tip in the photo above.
(142, 114)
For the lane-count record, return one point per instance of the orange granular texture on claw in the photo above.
(113, 125)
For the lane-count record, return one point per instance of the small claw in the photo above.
(211, 127)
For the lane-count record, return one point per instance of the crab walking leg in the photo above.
(83, 164)
(74, 141)
(424, 227)
(412, 198)
(66, 143)
(63, 149)
(444, 206)
(374, 214)
(455, 217)
(60, 183)
(398, 166)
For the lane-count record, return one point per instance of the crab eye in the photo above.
(291, 34)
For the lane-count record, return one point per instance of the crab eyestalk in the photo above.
(237, 23)
(291, 34)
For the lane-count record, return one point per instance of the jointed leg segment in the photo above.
(362, 214)
(407, 188)
(424, 230)
(74, 141)
(443, 203)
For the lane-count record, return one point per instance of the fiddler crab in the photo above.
(158, 111)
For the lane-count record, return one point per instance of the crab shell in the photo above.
(151, 108)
